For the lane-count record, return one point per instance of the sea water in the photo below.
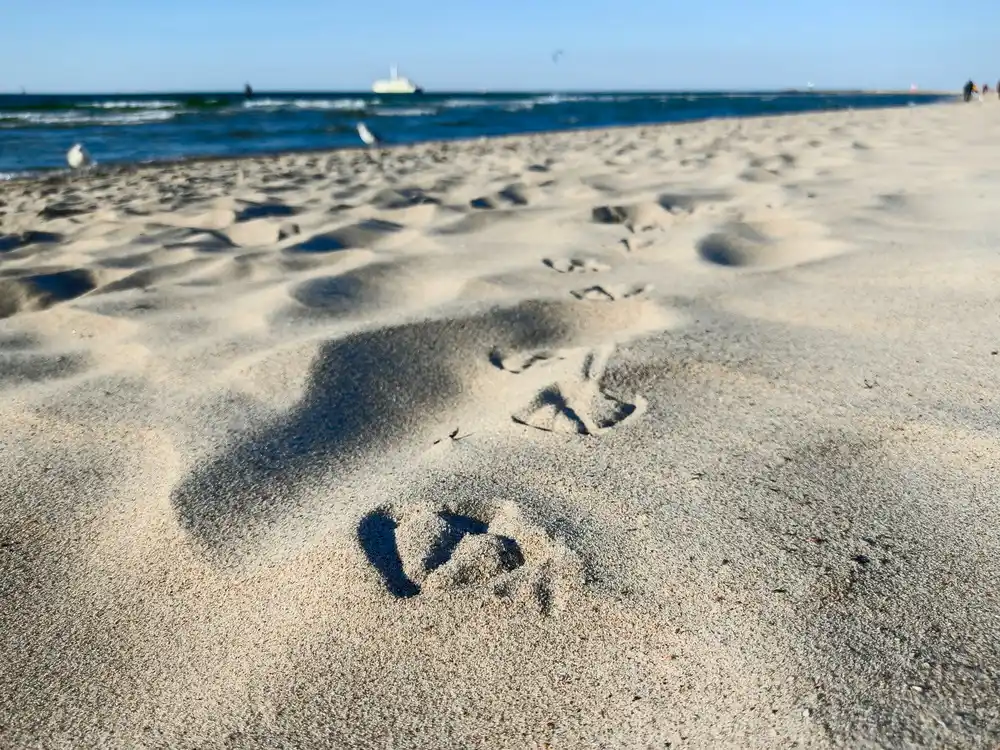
(36, 131)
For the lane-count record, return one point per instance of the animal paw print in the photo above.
(610, 294)
(575, 265)
(518, 363)
(578, 405)
(422, 548)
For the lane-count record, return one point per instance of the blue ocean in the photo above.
(36, 131)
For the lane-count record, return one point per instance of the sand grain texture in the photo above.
(680, 436)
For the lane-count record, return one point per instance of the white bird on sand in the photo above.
(77, 157)
(368, 136)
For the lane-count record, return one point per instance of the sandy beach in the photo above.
(679, 436)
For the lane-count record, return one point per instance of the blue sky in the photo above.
(184, 45)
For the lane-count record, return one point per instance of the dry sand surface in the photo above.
(679, 436)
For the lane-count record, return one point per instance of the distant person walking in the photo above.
(967, 90)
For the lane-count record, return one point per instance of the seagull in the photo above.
(77, 157)
(368, 136)
(370, 139)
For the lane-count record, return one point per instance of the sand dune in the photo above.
(672, 436)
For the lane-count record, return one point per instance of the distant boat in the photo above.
(396, 84)
(248, 92)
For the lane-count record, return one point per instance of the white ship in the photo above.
(396, 84)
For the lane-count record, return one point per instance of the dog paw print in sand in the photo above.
(423, 549)
(577, 404)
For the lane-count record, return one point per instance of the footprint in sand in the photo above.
(577, 405)
(393, 199)
(610, 293)
(654, 214)
(518, 363)
(427, 548)
(767, 168)
(634, 244)
(632, 217)
(516, 194)
(575, 265)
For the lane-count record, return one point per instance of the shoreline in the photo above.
(120, 168)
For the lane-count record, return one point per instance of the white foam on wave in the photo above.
(511, 105)
(126, 104)
(263, 103)
(469, 103)
(575, 98)
(519, 105)
(78, 117)
(404, 111)
(334, 104)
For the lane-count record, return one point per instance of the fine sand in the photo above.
(680, 436)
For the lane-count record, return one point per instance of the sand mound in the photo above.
(377, 287)
(368, 233)
(12, 242)
(476, 222)
(41, 290)
(766, 243)
(261, 232)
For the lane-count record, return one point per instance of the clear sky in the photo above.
(206, 45)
